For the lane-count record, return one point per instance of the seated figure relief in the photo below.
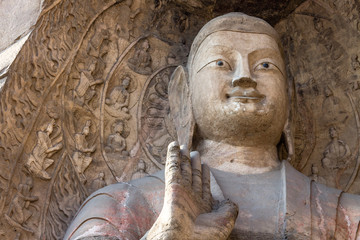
(85, 90)
(117, 105)
(21, 207)
(141, 61)
(116, 142)
(337, 157)
(82, 156)
(223, 178)
(141, 170)
(98, 182)
(40, 158)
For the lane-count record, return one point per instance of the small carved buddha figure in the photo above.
(355, 63)
(231, 104)
(141, 61)
(141, 170)
(39, 160)
(98, 182)
(19, 211)
(337, 157)
(85, 90)
(119, 96)
(116, 143)
(82, 155)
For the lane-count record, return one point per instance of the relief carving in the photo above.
(157, 126)
(326, 38)
(315, 175)
(82, 156)
(330, 107)
(140, 170)
(355, 63)
(98, 182)
(116, 141)
(232, 106)
(40, 75)
(323, 63)
(85, 89)
(126, 30)
(99, 42)
(66, 194)
(117, 105)
(22, 206)
(47, 144)
(110, 61)
(336, 158)
(140, 62)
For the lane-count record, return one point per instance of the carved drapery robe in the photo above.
(281, 204)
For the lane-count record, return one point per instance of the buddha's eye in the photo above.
(265, 66)
(220, 63)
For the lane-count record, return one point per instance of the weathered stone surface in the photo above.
(270, 11)
(17, 17)
(232, 104)
(106, 65)
(321, 42)
(17, 20)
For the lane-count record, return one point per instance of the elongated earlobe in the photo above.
(181, 107)
(289, 141)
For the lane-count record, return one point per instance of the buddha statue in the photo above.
(231, 105)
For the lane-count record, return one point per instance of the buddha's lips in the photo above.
(244, 95)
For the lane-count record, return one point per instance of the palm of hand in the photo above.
(186, 213)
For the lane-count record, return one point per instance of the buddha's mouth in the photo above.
(245, 95)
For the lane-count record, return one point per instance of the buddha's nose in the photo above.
(242, 76)
(244, 82)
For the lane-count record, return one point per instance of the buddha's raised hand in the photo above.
(188, 211)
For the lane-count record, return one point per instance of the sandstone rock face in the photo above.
(17, 19)
(86, 102)
(321, 43)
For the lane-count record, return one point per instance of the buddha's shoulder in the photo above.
(125, 192)
(146, 186)
(120, 206)
(331, 213)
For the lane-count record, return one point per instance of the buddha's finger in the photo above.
(196, 173)
(207, 198)
(217, 224)
(172, 166)
(185, 166)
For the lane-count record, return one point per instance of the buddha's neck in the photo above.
(238, 159)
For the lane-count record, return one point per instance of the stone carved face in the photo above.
(50, 127)
(119, 127)
(86, 130)
(126, 82)
(333, 132)
(238, 88)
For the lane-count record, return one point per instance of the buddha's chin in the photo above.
(235, 122)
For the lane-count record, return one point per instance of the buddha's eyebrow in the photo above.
(213, 51)
(269, 53)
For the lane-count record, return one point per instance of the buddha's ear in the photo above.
(289, 127)
(289, 140)
(181, 107)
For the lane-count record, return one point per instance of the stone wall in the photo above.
(322, 41)
(17, 19)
